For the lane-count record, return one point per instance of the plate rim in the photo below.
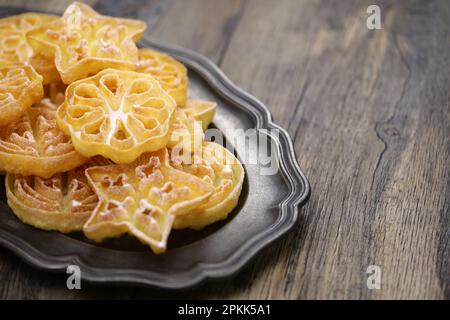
(296, 181)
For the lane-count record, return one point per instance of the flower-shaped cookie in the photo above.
(63, 202)
(186, 133)
(20, 88)
(117, 114)
(34, 145)
(85, 42)
(143, 199)
(170, 73)
(56, 92)
(221, 169)
(14, 47)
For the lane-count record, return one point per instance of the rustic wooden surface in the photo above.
(369, 113)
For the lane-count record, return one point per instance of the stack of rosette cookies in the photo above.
(99, 136)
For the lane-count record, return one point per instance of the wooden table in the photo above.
(369, 114)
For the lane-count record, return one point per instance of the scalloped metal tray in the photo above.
(268, 208)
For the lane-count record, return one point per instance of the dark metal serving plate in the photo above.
(268, 207)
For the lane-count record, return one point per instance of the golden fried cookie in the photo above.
(143, 199)
(170, 73)
(186, 133)
(56, 91)
(202, 111)
(117, 114)
(44, 64)
(34, 145)
(85, 42)
(14, 47)
(63, 202)
(20, 88)
(220, 168)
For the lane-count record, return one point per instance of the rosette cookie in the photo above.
(143, 199)
(220, 168)
(171, 74)
(14, 48)
(34, 145)
(84, 42)
(202, 111)
(20, 88)
(188, 125)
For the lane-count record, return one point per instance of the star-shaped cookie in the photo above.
(85, 42)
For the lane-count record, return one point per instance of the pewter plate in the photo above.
(268, 208)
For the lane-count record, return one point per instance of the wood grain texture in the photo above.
(369, 112)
